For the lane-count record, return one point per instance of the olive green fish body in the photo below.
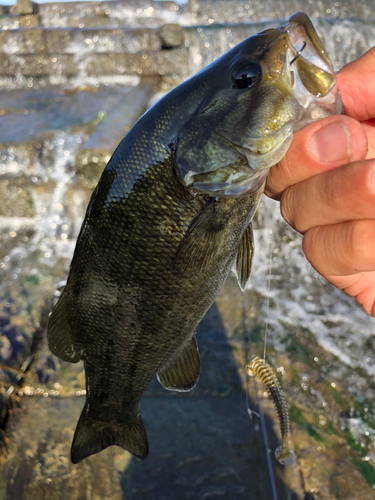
(131, 303)
(169, 218)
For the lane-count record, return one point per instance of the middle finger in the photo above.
(346, 193)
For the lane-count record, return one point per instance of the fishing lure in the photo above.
(259, 368)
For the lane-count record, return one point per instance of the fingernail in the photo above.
(331, 143)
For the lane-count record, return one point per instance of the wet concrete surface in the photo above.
(202, 444)
(26, 114)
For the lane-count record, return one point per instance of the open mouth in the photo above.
(310, 71)
(299, 52)
(308, 64)
(303, 46)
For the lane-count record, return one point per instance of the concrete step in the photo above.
(39, 57)
(249, 11)
(151, 14)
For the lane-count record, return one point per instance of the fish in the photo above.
(258, 367)
(169, 218)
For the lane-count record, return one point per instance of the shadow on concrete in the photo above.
(202, 444)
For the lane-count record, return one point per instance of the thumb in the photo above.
(321, 146)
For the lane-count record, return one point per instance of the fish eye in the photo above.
(246, 75)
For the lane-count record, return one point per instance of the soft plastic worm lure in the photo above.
(259, 368)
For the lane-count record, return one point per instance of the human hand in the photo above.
(334, 208)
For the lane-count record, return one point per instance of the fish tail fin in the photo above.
(92, 436)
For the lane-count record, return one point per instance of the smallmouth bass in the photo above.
(170, 216)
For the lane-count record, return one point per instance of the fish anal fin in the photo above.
(201, 239)
(92, 436)
(181, 373)
(244, 258)
(60, 337)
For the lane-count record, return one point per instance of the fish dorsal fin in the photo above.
(60, 337)
(181, 373)
(244, 258)
(201, 239)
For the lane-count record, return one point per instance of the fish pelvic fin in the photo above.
(181, 372)
(244, 258)
(92, 436)
(59, 332)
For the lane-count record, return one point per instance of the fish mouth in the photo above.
(301, 32)
(266, 153)
(309, 69)
(306, 43)
(248, 181)
(261, 154)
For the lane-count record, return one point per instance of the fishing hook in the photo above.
(298, 53)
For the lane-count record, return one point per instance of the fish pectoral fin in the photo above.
(60, 337)
(201, 239)
(181, 373)
(245, 256)
(92, 436)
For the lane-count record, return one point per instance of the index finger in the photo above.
(356, 82)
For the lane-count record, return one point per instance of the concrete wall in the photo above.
(114, 40)
(58, 43)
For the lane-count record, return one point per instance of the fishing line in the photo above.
(268, 293)
(250, 412)
(249, 355)
(270, 254)
(298, 54)
(266, 445)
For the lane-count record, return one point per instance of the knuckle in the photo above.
(350, 188)
(361, 236)
(287, 207)
(333, 189)
(271, 188)
(367, 184)
(280, 177)
(287, 167)
(309, 243)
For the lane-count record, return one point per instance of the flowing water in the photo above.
(319, 340)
